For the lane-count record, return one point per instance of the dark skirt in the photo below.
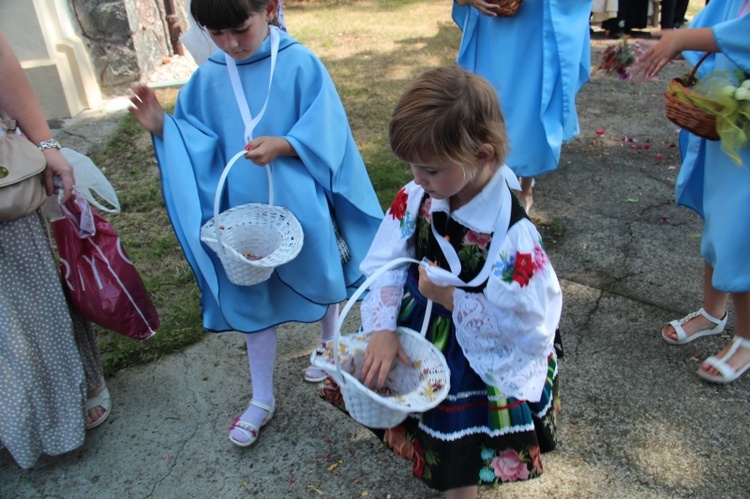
(477, 435)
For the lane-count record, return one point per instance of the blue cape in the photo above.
(710, 182)
(537, 61)
(207, 130)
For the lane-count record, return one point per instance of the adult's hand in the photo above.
(58, 166)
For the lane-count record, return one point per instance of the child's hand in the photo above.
(263, 150)
(147, 110)
(671, 43)
(384, 346)
(442, 295)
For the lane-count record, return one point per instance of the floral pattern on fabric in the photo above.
(403, 442)
(474, 248)
(398, 211)
(521, 267)
(509, 465)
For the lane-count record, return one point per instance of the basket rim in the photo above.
(391, 402)
(208, 232)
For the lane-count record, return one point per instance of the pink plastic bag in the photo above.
(100, 279)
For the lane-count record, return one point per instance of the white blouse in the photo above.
(507, 331)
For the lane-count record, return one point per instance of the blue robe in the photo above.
(207, 130)
(537, 61)
(709, 181)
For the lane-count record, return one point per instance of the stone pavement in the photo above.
(636, 420)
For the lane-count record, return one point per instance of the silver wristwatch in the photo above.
(48, 144)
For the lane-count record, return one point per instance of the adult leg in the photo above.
(714, 303)
(680, 11)
(261, 356)
(98, 405)
(667, 13)
(737, 354)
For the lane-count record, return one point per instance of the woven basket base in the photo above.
(686, 115)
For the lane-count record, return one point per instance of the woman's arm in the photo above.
(18, 100)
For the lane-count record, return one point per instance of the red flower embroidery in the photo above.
(398, 208)
(478, 239)
(536, 459)
(424, 209)
(418, 458)
(332, 393)
(523, 269)
(397, 439)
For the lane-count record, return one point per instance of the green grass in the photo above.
(372, 48)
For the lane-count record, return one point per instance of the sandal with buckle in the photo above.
(250, 430)
(728, 373)
(683, 338)
(101, 399)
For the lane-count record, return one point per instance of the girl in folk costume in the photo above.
(266, 93)
(497, 300)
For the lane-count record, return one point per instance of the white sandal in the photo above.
(250, 430)
(683, 338)
(101, 399)
(728, 374)
(314, 374)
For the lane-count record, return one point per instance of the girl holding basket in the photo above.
(497, 300)
(266, 93)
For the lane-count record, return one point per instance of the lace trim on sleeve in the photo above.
(498, 346)
(380, 307)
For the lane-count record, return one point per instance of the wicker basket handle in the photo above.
(220, 190)
(362, 288)
(691, 75)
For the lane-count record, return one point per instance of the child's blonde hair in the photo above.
(448, 112)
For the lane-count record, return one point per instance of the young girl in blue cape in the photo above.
(712, 184)
(265, 92)
(537, 61)
(497, 300)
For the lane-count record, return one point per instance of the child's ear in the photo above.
(272, 7)
(486, 154)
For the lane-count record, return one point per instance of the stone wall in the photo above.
(125, 38)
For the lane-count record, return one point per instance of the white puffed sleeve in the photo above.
(507, 331)
(394, 239)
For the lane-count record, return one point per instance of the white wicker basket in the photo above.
(408, 389)
(252, 239)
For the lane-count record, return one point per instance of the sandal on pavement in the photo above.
(683, 338)
(102, 399)
(315, 374)
(250, 430)
(728, 374)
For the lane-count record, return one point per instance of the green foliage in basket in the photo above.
(726, 95)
